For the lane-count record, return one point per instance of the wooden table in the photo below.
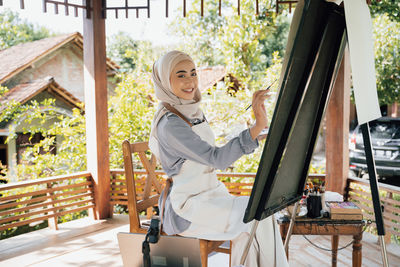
(325, 226)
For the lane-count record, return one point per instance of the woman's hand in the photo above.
(259, 112)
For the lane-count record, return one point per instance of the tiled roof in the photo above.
(26, 91)
(210, 76)
(18, 57)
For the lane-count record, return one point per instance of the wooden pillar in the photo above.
(393, 110)
(94, 54)
(337, 130)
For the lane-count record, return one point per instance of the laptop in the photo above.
(173, 251)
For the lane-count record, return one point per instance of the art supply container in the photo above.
(314, 206)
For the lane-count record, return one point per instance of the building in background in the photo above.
(47, 68)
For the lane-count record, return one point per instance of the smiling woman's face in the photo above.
(183, 80)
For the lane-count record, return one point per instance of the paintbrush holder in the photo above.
(314, 206)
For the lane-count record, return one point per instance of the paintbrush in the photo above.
(266, 93)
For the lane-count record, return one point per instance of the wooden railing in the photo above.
(33, 201)
(118, 189)
(119, 192)
(358, 191)
(242, 188)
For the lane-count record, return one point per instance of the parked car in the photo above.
(385, 138)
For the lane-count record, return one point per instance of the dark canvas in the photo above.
(313, 55)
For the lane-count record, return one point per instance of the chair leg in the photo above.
(204, 252)
(230, 253)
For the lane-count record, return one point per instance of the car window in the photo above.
(385, 130)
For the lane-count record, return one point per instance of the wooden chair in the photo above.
(141, 201)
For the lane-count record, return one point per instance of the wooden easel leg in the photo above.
(247, 248)
(335, 244)
(284, 229)
(289, 233)
(383, 251)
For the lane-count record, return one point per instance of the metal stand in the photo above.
(247, 248)
(290, 230)
(374, 190)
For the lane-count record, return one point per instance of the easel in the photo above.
(375, 199)
(264, 201)
(374, 192)
(254, 229)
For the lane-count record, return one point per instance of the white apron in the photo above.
(199, 197)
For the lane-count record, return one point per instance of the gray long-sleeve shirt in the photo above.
(178, 143)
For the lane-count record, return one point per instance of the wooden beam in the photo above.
(337, 130)
(95, 76)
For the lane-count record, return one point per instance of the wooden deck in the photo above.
(93, 243)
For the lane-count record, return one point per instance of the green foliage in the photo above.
(131, 54)
(3, 90)
(227, 114)
(119, 46)
(131, 111)
(22, 230)
(66, 135)
(241, 43)
(275, 41)
(14, 30)
(387, 58)
(66, 132)
(389, 7)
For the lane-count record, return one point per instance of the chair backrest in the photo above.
(140, 201)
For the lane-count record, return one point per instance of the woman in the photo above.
(198, 204)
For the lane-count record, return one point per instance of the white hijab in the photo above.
(162, 69)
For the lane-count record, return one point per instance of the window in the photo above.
(3, 151)
(27, 140)
(385, 130)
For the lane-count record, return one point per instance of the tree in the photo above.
(131, 111)
(120, 48)
(244, 44)
(228, 116)
(241, 43)
(66, 133)
(129, 53)
(386, 23)
(14, 30)
(387, 58)
(389, 7)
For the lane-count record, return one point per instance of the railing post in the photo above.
(52, 221)
(113, 182)
(92, 212)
